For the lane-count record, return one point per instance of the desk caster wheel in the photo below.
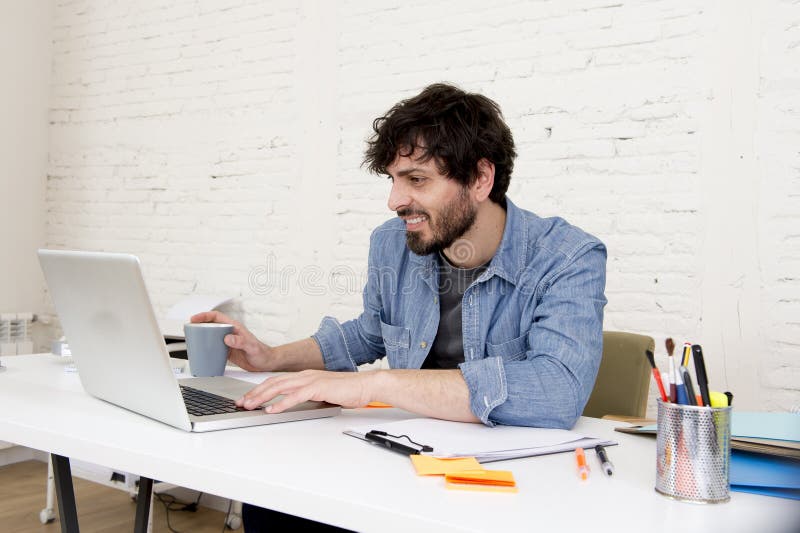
(46, 516)
(234, 522)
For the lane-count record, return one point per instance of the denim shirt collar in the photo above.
(509, 260)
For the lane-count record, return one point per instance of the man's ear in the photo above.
(484, 180)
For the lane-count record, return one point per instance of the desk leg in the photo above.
(67, 511)
(143, 499)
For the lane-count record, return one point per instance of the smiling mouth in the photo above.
(415, 220)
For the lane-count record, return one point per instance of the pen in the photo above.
(390, 444)
(680, 390)
(687, 381)
(687, 352)
(608, 468)
(687, 377)
(583, 468)
(700, 370)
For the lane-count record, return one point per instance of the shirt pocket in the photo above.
(513, 350)
(396, 341)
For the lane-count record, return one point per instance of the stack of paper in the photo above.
(486, 444)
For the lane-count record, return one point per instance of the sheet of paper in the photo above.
(462, 438)
(196, 303)
(172, 324)
(244, 375)
(431, 466)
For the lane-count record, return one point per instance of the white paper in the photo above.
(252, 377)
(180, 313)
(197, 303)
(461, 439)
(181, 369)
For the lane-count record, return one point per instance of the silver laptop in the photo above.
(121, 355)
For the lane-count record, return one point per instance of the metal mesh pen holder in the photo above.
(693, 452)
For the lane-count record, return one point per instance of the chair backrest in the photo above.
(623, 381)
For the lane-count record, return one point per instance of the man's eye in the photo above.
(416, 180)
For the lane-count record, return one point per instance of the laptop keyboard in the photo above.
(202, 403)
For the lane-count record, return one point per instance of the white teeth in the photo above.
(415, 220)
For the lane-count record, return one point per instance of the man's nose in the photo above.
(398, 197)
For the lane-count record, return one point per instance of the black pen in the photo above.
(608, 468)
(700, 371)
(390, 444)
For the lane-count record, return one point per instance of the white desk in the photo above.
(310, 469)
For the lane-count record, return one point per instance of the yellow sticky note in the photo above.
(378, 405)
(482, 477)
(431, 466)
(481, 488)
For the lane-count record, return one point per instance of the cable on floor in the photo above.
(171, 503)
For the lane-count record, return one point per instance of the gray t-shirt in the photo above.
(448, 346)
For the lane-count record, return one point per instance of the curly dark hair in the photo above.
(455, 128)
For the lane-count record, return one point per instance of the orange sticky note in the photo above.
(431, 466)
(377, 405)
(480, 488)
(502, 478)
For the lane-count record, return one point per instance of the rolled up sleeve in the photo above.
(346, 345)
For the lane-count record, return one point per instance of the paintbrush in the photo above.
(673, 392)
(657, 376)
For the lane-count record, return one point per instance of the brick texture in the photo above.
(222, 141)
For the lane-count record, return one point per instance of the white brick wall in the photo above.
(216, 139)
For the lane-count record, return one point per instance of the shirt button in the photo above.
(470, 300)
(423, 344)
(435, 300)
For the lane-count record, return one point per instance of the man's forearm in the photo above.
(434, 393)
(295, 356)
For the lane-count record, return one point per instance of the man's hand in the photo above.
(435, 393)
(245, 350)
(348, 389)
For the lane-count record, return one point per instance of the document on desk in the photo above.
(486, 444)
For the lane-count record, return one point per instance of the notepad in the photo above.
(483, 480)
(426, 465)
(377, 405)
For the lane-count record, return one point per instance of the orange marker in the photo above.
(583, 468)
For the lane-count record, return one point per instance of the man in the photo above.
(486, 312)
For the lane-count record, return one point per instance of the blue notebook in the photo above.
(765, 474)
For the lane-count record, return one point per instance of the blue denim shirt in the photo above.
(532, 322)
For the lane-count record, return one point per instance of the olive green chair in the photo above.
(623, 382)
